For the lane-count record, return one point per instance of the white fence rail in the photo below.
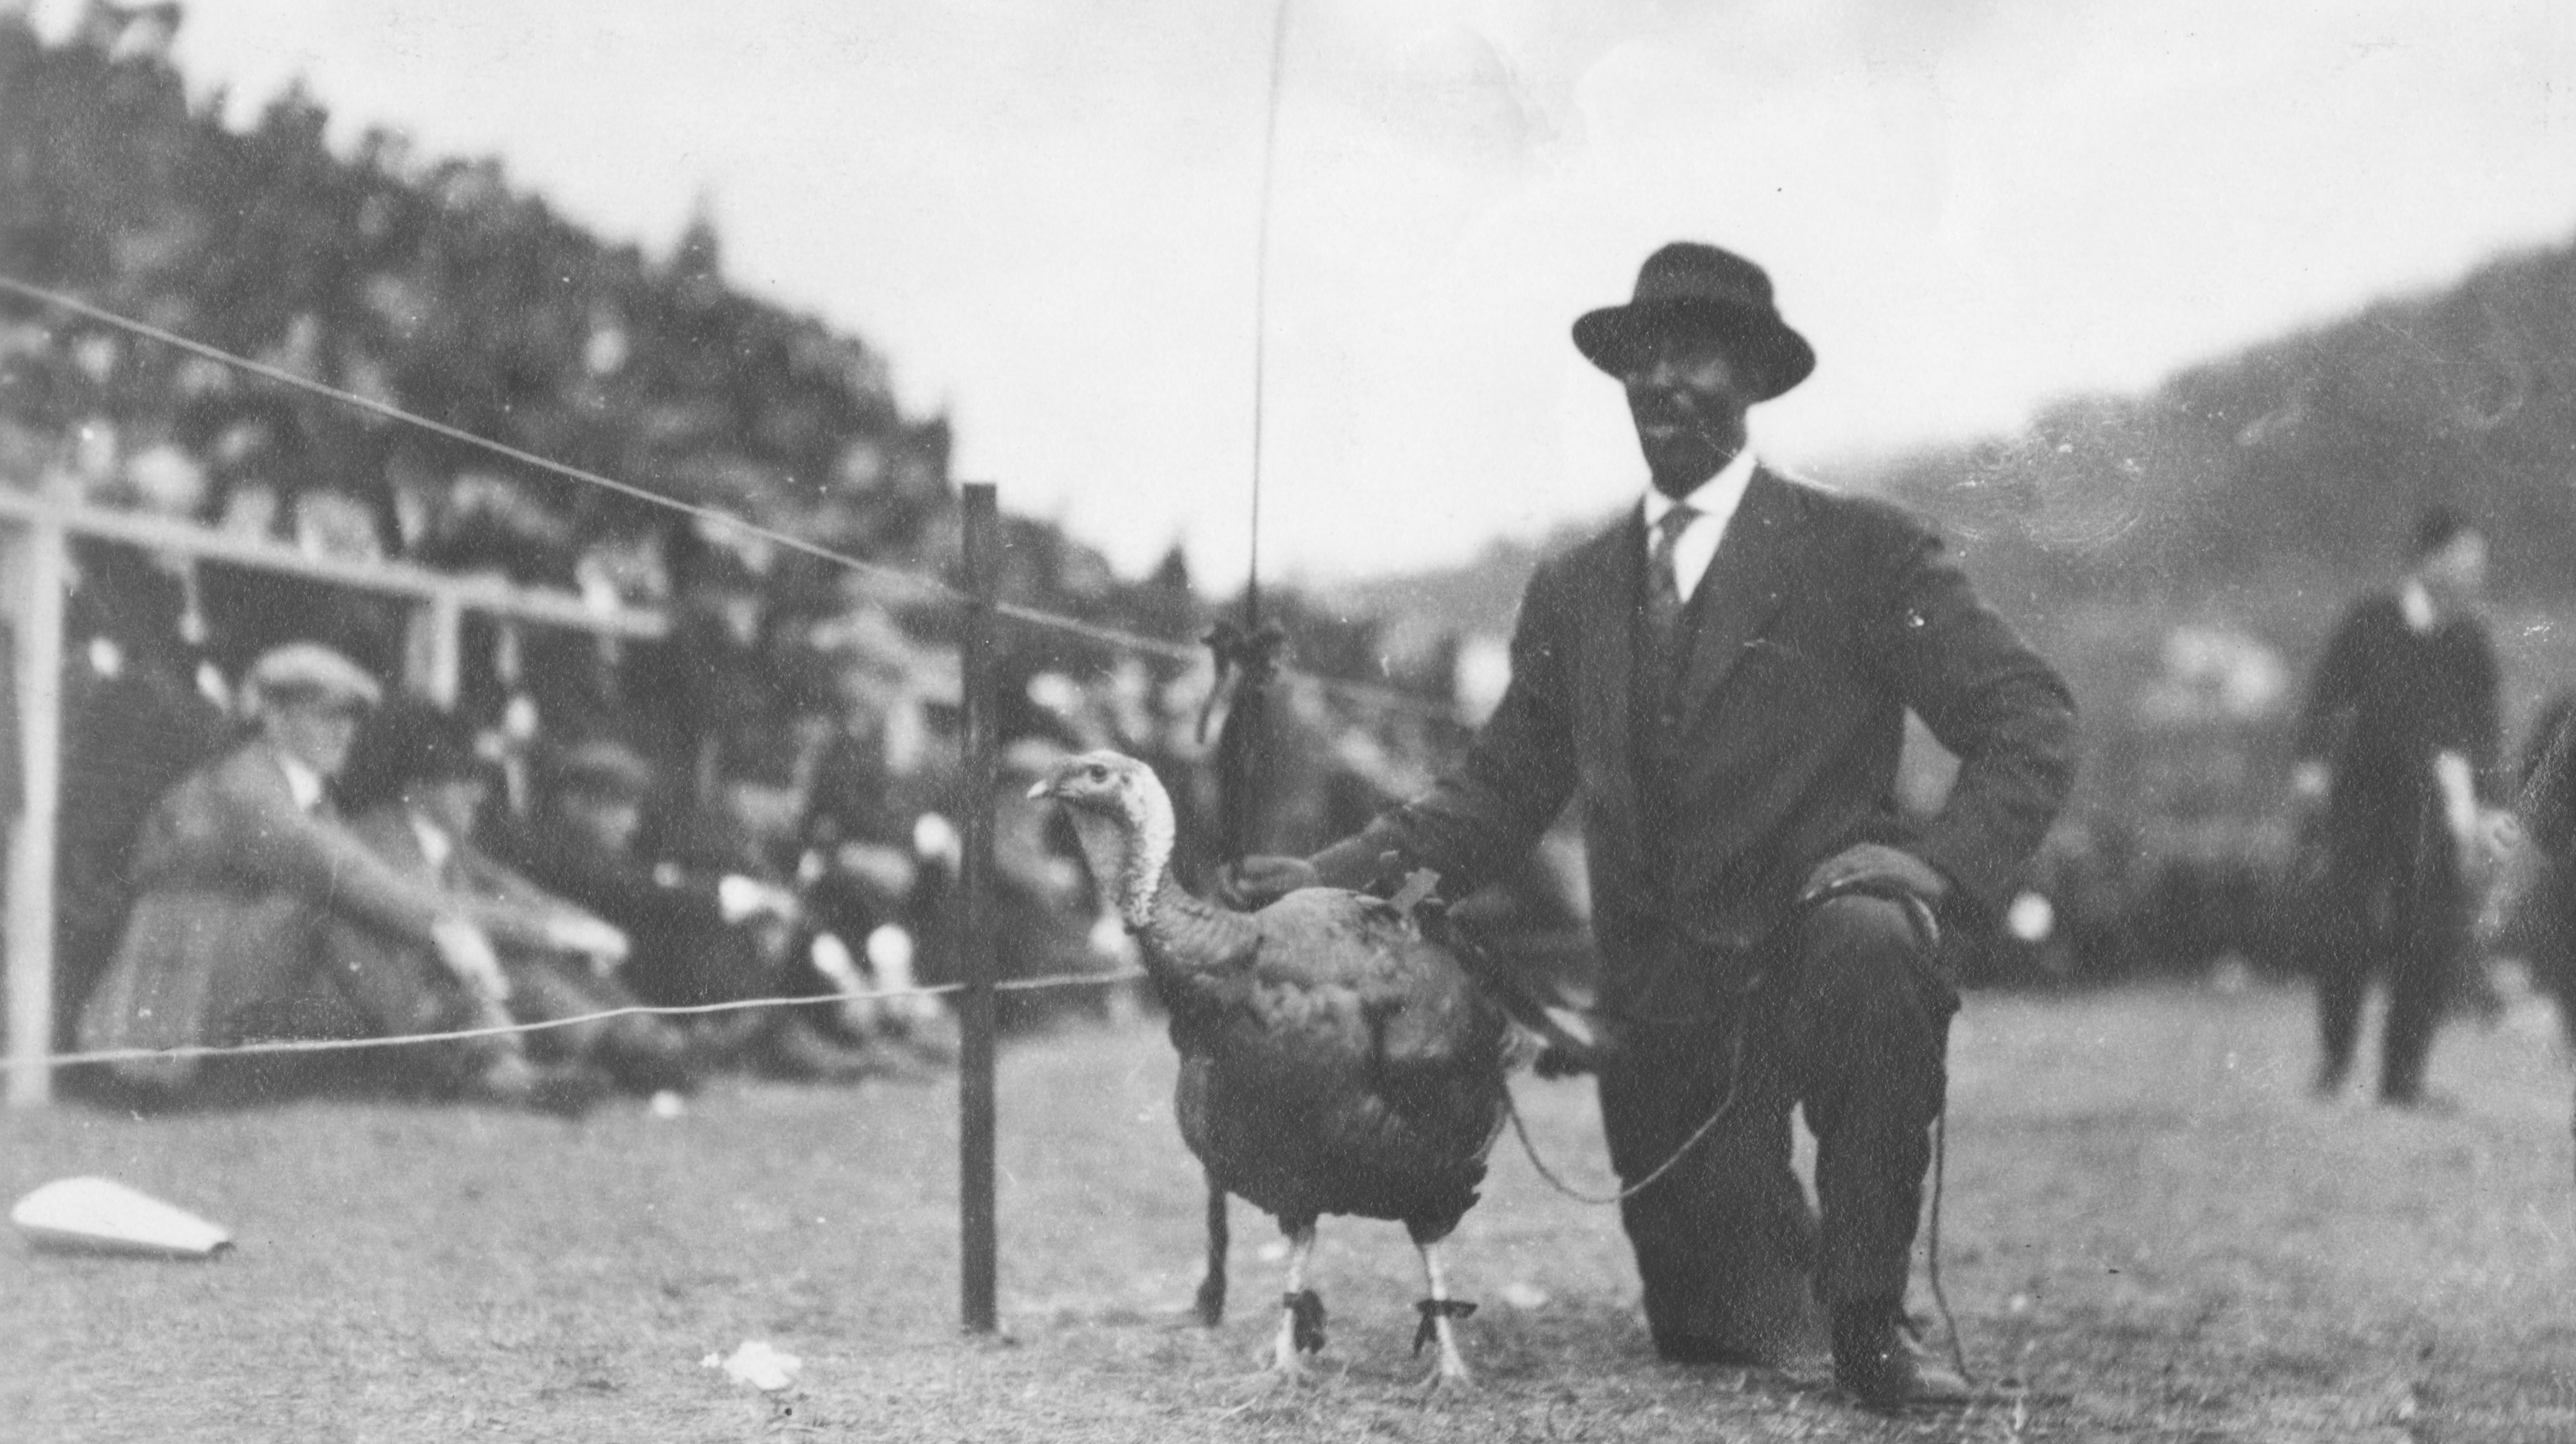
(35, 538)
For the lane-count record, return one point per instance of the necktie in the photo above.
(1657, 662)
(1663, 582)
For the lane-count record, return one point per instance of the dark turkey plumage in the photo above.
(1334, 1059)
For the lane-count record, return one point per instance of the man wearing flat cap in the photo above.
(243, 871)
(1722, 677)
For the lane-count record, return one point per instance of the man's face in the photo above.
(1688, 395)
(315, 731)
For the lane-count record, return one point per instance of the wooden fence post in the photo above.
(434, 650)
(33, 573)
(979, 1246)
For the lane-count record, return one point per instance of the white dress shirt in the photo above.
(1715, 500)
(2416, 605)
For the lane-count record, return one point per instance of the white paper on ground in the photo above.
(99, 1215)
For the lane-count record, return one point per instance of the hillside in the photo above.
(2304, 455)
(1420, 611)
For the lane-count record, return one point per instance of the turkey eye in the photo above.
(1098, 772)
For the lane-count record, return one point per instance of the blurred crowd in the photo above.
(785, 750)
(759, 805)
(319, 860)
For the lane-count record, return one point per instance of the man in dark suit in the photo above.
(1722, 677)
(2399, 780)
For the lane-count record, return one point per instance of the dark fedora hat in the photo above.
(1690, 288)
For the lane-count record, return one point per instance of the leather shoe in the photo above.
(1880, 1363)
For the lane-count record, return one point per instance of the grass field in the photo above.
(2152, 1233)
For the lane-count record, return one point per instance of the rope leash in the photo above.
(1725, 1107)
(501, 1030)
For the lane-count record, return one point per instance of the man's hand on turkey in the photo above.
(1875, 867)
(1260, 880)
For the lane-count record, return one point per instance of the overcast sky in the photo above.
(1046, 212)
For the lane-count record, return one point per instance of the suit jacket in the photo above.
(2386, 698)
(234, 884)
(1821, 621)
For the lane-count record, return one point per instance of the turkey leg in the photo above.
(1301, 1313)
(1438, 1313)
(1211, 1296)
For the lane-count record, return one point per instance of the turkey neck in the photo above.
(1131, 860)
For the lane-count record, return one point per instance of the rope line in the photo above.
(1932, 1244)
(1098, 632)
(502, 1030)
(928, 588)
(392, 412)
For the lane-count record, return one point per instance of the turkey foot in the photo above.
(1301, 1314)
(1449, 1375)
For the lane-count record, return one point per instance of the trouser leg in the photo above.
(2432, 938)
(2340, 994)
(2344, 925)
(1866, 1025)
(1725, 1239)
(357, 982)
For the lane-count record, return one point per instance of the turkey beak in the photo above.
(1044, 790)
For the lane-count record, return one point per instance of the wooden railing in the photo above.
(35, 538)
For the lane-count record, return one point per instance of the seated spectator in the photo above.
(2539, 919)
(699, 936)
(861, 863)
(243, 871)
(417, 790)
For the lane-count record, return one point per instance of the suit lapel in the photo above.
(1743, 587)
(1608, 634)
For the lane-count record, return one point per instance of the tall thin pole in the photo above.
(978, 1245)
(1261, 306)
(35, 563)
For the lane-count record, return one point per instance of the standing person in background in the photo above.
(2538, 920)
(2397, 783)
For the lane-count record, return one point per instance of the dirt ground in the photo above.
(2152, 1233)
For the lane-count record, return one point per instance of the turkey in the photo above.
(1333, 1059)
